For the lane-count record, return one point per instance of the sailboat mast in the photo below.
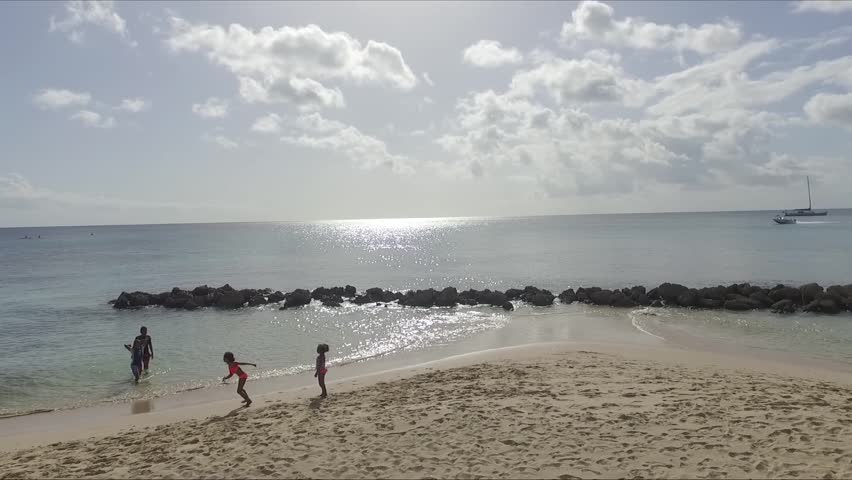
(809, 192)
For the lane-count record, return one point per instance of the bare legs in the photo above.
(321, 380)
(241, 391)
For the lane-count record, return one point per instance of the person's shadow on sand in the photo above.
(226, 416)
(316, 403)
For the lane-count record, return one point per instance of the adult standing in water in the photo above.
(147, 347)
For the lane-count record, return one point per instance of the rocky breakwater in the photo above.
(737, 297)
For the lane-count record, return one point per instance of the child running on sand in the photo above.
(322, 348)
(234, 369)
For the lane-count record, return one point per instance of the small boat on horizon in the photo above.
(805, 212)
(782, 220)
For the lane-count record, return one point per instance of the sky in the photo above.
(127, 113)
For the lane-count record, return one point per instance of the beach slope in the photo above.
(560, 415)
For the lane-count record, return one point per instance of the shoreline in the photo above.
(532, 411)
(41, 428)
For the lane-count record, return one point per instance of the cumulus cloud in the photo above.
(593, 20)
(711, 125)
(267, 124)
(293, 64)
(134, 105)
(830, 109)
(54, 99)
(220, 141)
(213, 107)
(822, 6)
(83, 13)
(93, 119)
(316, 132)
(304, 93)
(490, 54)
(580, 81)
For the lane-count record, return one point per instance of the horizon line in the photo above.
(393, 218)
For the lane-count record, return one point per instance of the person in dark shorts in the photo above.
(147, 347)
(135, 359)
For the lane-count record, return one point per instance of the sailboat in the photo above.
(806, 212)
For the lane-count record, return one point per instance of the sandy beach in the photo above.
(538, 412)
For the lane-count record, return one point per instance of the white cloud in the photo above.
(291, 64)
(304, 93)
(211, 108)
(93, 119)
(54, 99)
(81, 13)
(220, 140)
(830, 109)
(490, 54)
(428, 79)
(367, 152)
(822, 6)
(593, 20)
(580, 81)
(267, 124)
(134, 105)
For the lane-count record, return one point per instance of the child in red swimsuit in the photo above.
(234, 369)
(321, 369)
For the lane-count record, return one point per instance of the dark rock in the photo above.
(199, 301)
(123, 301)
(363, 300)
(714, 293)
(641, 299)
(786, 293)
(191, 305)
(508, 306)
(139, 299)
(276, 297)
(230, 299)
(784, 306)
(670, 291)
(514, 293)
(495, 298)
(740, 303)
(619, 299)
(542, 299)
(256, 300)
(567, 297)
(762, 298)
(349, 291)
(600, 297)
(297, 298)
(470, 301)
(637, 290)
(746, 289)
(449, 297)
(840, 291)
(419, 298)
(201, 291)
(226, 288)
(688, 298)
(319, 293)
(824, 305)
(332, 300)
(809, 292)
(657, 303)
(710, 303)
(654, 294)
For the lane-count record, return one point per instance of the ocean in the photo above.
(62, 342)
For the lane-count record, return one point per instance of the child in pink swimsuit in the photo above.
(321, 369)
(234, 369)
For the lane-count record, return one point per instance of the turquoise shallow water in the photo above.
(62, 342)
